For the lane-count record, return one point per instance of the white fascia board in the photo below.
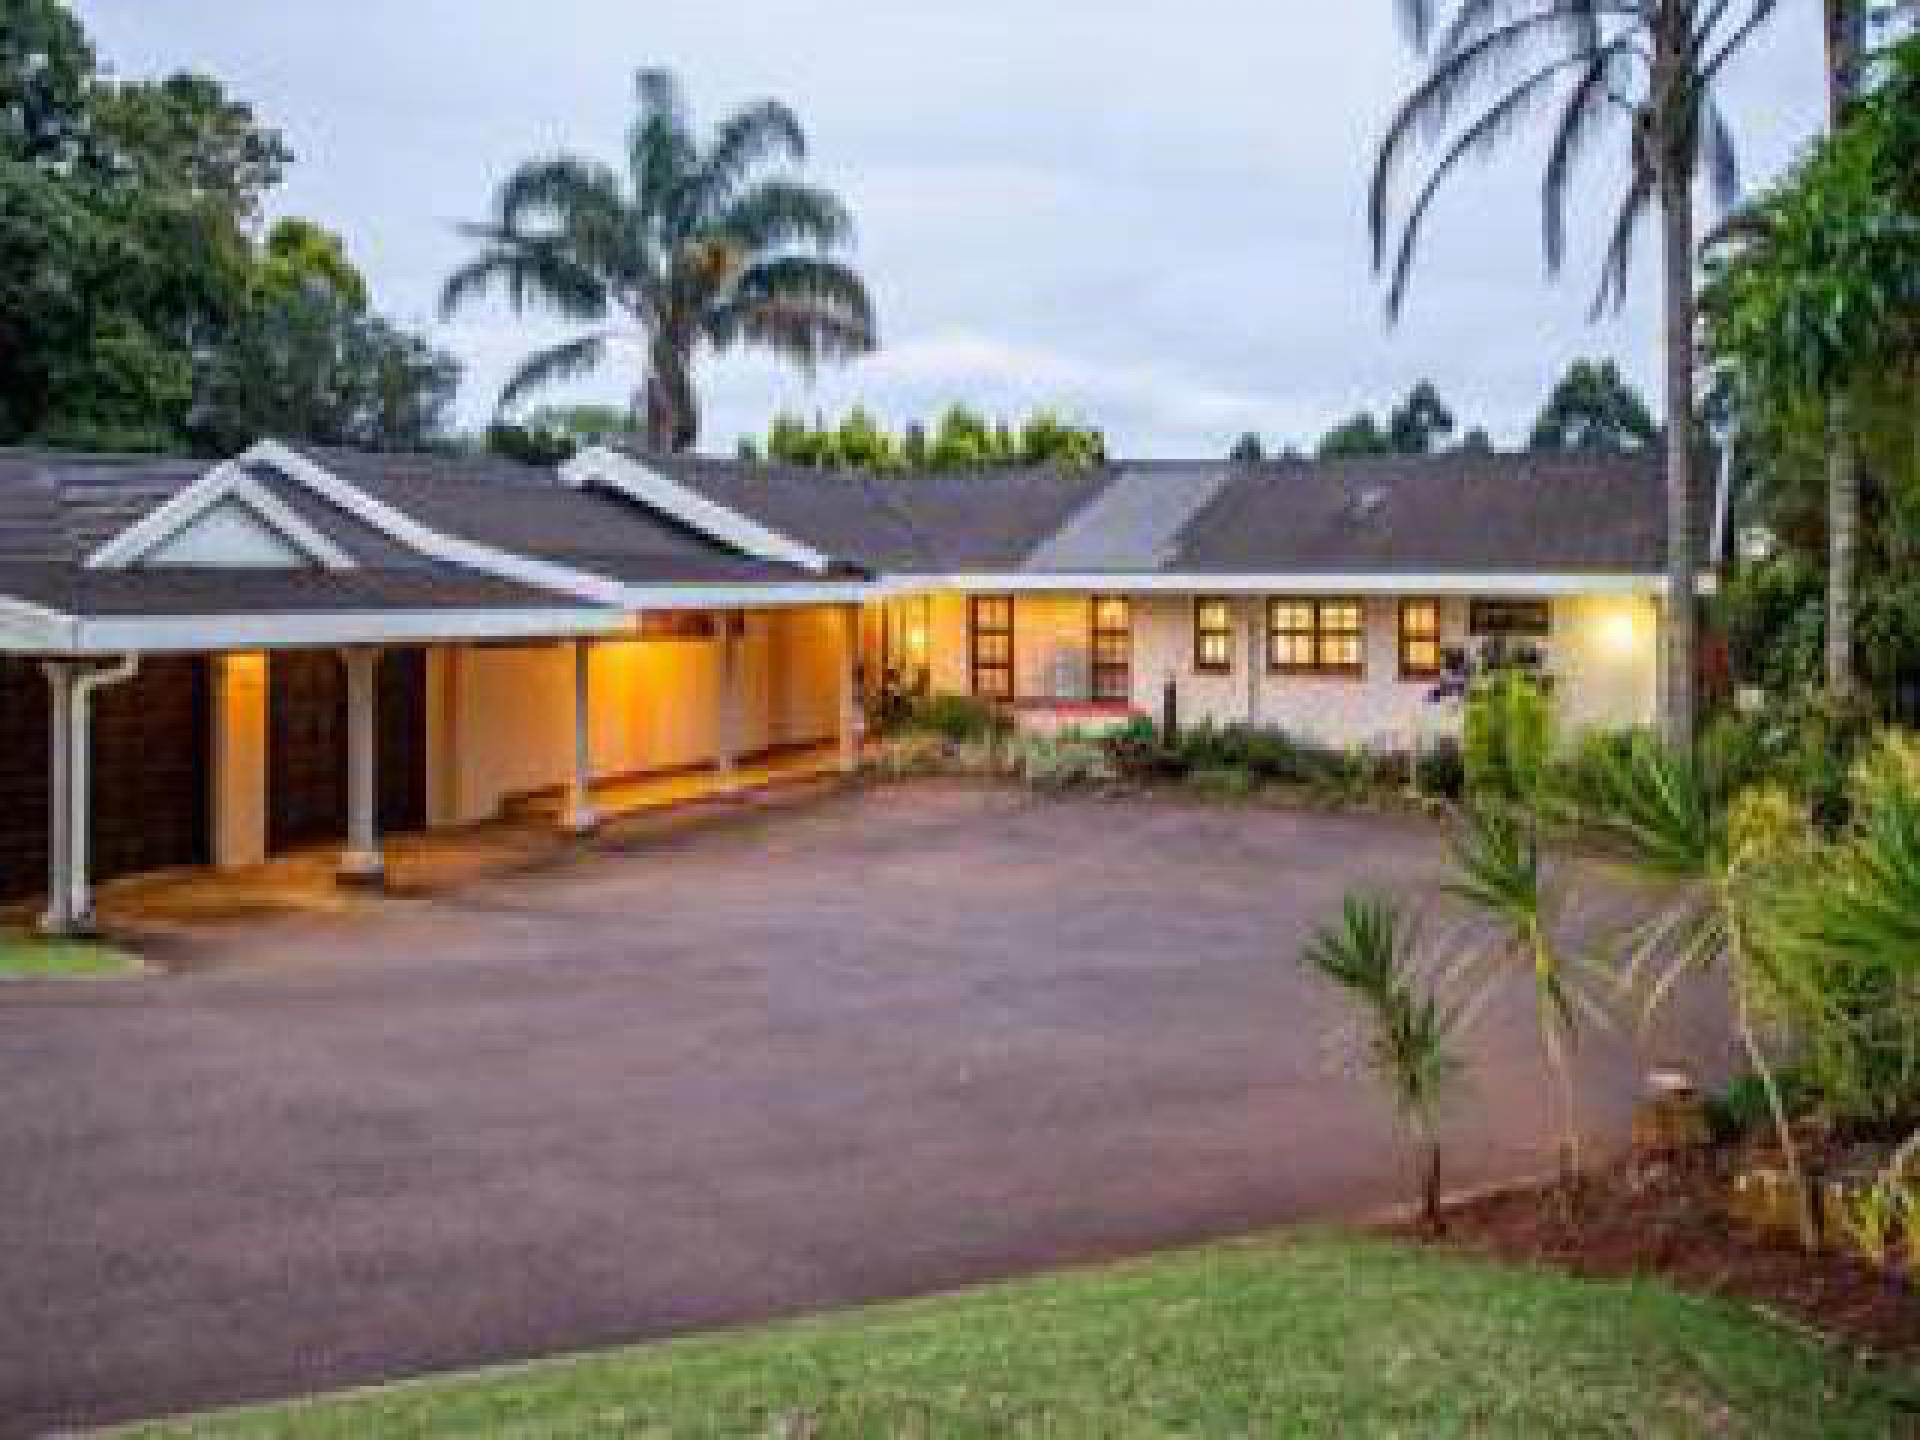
(1354, 583)
(627, 477)
(749, 597)
(190, 633)
(226, 481)
(435, 544)
(26, 628)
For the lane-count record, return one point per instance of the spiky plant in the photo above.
(691, 245)
(1727, 857)
(1408, 1032)
(1654, 64)
(1502, 876)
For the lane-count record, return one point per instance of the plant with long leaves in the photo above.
(1409, 1037)
(1727, 857)
(1655, 64)
(1859, 921)
(697, 245)
(1504, 877)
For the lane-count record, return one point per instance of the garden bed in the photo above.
(1672, 1224)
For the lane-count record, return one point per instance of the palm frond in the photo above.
(662, 154)
(1718, 155)
(775, 214)
(1588, 106)
(568, 360)
(555, 188)
(1493, 126)
(801, 306)
(1616, 264)
(539, 271)
(747, 139)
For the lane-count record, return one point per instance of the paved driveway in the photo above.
(883, 1044)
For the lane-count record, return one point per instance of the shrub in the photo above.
(905, 755)
(1066, 763)
(1226, 782)
(1440, 771)
(1509, 737)
(1140, 752)
(1742, 1110)
(959, 718)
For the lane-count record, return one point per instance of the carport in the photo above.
(216, 665)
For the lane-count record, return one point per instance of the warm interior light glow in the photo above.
(917, 641)
(1622, 636)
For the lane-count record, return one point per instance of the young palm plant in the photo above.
(1503, 877)
(1727, 857)
(1372, 955)
(696, 245)
(1654, 64)
(1860, 924)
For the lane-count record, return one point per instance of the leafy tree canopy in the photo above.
(962, 439)
(1418, 425)
(1593, 410)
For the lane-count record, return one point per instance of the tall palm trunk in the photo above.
(1846, 46)
(1676, 207)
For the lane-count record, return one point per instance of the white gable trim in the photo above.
(626, 476)
(226, 483)
(432, 543)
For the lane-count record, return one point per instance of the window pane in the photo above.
(1112, 650)
(992, 649)
(1339, 652)
(993, 612)
(1110, 614)
(1341, 617)
(1423, 655)
(1213, 615)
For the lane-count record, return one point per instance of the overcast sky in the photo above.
(1146, 215)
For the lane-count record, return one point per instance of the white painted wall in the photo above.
(1604, 655)
(229, 536)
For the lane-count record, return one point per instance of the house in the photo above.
(212, 663)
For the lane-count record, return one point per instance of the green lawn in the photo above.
(27, 959)
(1310, 1336)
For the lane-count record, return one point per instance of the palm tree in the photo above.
(1504, 877)
(1728, 855)
(1846, 39)
(1653, 62)
(695, 245)
(1372, 956)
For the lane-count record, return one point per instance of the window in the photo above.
(1510, 619)
(1419, 639)
(1112, 669)
(990, 631)
(1316, 637)
(1213, 637)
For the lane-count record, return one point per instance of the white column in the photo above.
(726, 720)
(362, 862)
(580, 815)
(58, 919)
(849, 685)
(70, 889)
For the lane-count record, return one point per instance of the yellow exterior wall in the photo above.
(500, 719)
(239, 798)
(1604, 653)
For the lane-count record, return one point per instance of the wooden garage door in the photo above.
(307, 746)
(150, 772)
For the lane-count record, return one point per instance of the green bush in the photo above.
(1441, 770)
(1230, 782)
(958, 718)
(1509, 737)
(1065, 763)
(1741, 1110)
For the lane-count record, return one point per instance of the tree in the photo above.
(1359, 435)
(697, 246)
(1247, 450)
(1654, 62)
(1421, 422)
(1813, 323)
(300, 253)
(963, 439)
(1409, 1044)
(1593, 410)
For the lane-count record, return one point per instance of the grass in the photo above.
(27, 959)
(1305, 1336)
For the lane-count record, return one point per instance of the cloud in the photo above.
(1147, 215)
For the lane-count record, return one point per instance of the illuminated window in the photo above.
(1419, 639)
(1316, 637)
(990, 631)
(1213, 637)
(1510, 619)
(1112, 670)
